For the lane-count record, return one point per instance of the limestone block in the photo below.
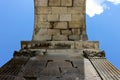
(74, 37)
(54, 2)
(75, 10)
(75, 24)
(66, 32)
(42, 32)
(78, 3)
(43, 10)
(65, 17)
(53, 17)
(78, 45)
(53, 32)
(96, 45)
(60, 25)
(35, 19)
(78, 17)
(41, 3)
(76, 31)
(48, 32)
(59, 10)
(88, 45)
(41, 18)
(66, 2)
(60, 37)
(36, 30)
(42, 37)
(43, 25)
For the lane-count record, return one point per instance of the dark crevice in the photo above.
(72, 64)
(60, 69)
(48, 62)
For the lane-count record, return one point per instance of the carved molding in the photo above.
(28, 53)
(88, 53)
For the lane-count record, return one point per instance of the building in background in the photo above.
(59, 49)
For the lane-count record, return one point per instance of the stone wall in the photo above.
(59, 20)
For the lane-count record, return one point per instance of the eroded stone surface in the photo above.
(61, 25)
(60, 38)
(66, 2)
(54, 2)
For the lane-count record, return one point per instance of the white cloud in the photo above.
(116, 2)
(97, 7)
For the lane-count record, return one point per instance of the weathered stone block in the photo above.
(60, 25)
(42, 32)
(88, 45)
(96, 45)
(74, 37)
(66, 32)
(66, 2)
(48, 32)
(35, 21)
(59, 10)
(41, 18)
(43, 10)
(78, 17)
(75, 10)
(53, 17)
(60, 37)
(78, 44)
(43, 25)
(76, 31)
(36, 30)
(54, 2)
(53, 32)
(65, 17)
(75, 24)
(78, 3)
(41, 2)
(42, 38)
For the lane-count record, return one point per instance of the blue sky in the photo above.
(17, 22)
